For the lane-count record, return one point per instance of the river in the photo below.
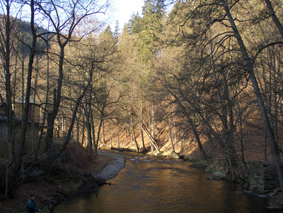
(155, 184)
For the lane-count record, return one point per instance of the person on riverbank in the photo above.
(31, 206)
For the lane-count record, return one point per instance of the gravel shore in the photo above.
(113, 167)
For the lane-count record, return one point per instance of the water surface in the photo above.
(152, 184)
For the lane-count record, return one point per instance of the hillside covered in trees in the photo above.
(204, 81)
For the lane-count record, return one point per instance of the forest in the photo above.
(203, 79)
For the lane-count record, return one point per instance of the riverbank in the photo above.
(85, 175)
(262, 181)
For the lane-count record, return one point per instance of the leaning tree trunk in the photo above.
(266, 121)
(78, 102)
(191, 122)
(274, 17)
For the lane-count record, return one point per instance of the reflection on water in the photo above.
(149, 184)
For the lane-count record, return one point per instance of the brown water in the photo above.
(150, 184)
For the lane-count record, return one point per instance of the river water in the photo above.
(153, 184)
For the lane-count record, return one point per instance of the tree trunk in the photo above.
(33, 107)
(103, 133)
(93, 134)
(266, 121)
(274, 17)
(170, 135)
(99, 130)
(83, 131)
(118, 143)
(8, 106)
(141, 115)
(134, 135)
(78, 132)
(15, 175)
(142, 137)
(191, 122)
(78, 102)
(56, 103)
(88, 127)
(151, 138)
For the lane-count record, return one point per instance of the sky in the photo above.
(122, 11)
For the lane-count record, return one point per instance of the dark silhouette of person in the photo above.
(31, 206)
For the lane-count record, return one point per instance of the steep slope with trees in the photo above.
(204, 81)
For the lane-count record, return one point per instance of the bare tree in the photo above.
(6, 23)
(249, 66)
(64, 19)
(14, 177)
(223, 19)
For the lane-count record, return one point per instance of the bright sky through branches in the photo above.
(122, 11)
